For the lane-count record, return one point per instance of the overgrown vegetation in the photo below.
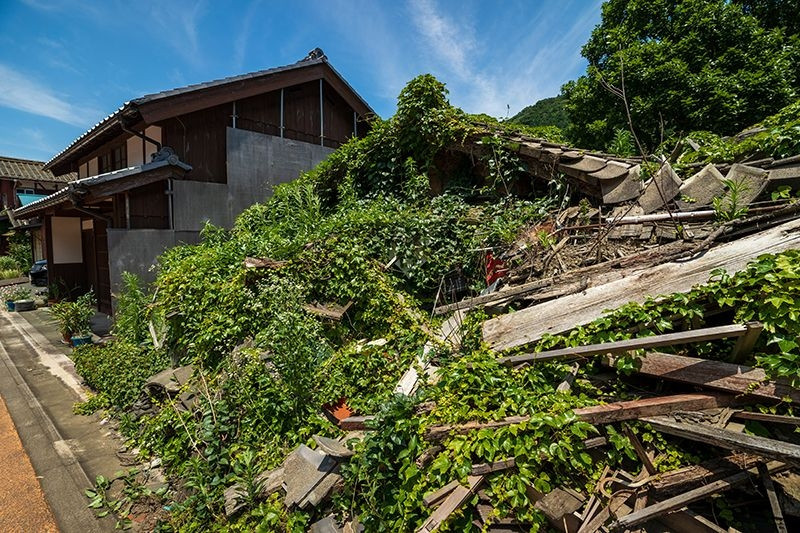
(265, 365)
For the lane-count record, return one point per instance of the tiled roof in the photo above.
(315, 57)
(24, 169)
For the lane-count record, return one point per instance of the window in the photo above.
(25, 191)
(113, 160)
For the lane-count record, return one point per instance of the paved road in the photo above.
(22, 504)
(65, 450)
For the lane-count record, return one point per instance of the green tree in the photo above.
(545, 112)
(687, 65)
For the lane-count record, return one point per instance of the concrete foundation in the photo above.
(136, 251)
(256, 164)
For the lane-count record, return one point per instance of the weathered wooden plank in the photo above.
(495, 466)
(690, 477)
(782, 451)
(560, 315)
(433, 498)
(717, 375)
(603, 414)
(355, 423)
(454, 500)
(744, 346)
(766, 417)
(329, 311)
(627, 345)
(777, 513)
(680, 501)
(513, 293)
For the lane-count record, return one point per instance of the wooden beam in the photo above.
(654, 341)
(457, 497)
(355, 423)
(744, 346)
(769, 486)
(603, 414)
(563, 314)
(775, 449)
(436, 497)
(690, 477)
(765, 417)
(680, 501)
(718, 375)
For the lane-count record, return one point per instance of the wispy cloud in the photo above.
(492, 75)
(240, 43)
(17, 91)
(179, 28)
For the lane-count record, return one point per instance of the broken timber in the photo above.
(717, 375)
(655, 341)
(604, 414)
(680, 501)
(329, 311)
(557, 316)
(455, 499)
(775, 449)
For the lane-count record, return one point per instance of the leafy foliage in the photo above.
(264, 364)
(545, 112)
(694, 64)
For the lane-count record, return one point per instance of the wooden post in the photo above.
(780, 523)
(321, 117)
(744, 345)
(282, 123)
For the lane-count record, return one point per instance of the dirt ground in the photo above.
(22, 504)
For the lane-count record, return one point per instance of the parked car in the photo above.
(38, 273)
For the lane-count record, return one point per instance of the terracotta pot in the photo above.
(339, 409)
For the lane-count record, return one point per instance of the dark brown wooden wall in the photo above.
(149, 207)
(199, 140)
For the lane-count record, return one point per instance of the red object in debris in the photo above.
(495, 268)
(338, 409)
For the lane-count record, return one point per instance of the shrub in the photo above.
(117, 371)
(75, 317)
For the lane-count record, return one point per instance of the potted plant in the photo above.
(23, 300)
(17, 298)
(7, 294)
(55, 292)
(74, 319)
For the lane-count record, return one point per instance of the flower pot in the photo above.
(10, 305)
(24, 305)
(79, 340)
(338, 410)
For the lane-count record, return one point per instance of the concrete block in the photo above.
(621, 189)
(752, 181)
(661, 188)
(308, 476)
(702, 187)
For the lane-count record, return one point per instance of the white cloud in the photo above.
(240, 43)
(24, 94)
(487, 74)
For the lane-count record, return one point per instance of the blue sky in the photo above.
(64, 65)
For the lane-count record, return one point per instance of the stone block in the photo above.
(702, 187)
(661, 188)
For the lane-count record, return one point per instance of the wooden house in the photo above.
(151, 174)
(23, 181)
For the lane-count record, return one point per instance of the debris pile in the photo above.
(525, 405)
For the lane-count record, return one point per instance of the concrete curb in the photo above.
(58, 364)
(61, 475)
